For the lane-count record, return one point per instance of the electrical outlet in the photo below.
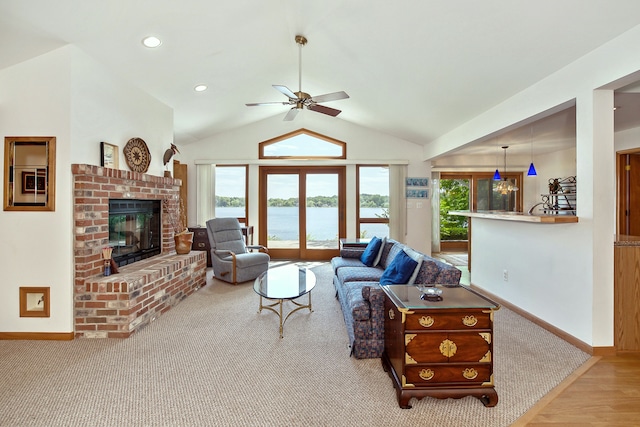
(505, 275)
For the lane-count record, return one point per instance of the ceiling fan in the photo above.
(301, 99)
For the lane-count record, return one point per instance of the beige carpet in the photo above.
(214, 361)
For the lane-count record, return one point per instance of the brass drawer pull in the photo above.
(201, 245)
(469, 321)
(470, 373)
(426, 374)
(448, 348)
(392, 315)
(426, 321)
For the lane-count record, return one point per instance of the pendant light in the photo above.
(496, 175)
(505, 186)
(532, 169)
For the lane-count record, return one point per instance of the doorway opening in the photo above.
(455, 195)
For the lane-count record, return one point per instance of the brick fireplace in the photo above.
(118, 305)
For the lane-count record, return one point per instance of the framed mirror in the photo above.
(29, 173)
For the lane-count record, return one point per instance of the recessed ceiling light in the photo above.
(200, 88)
(151, 41)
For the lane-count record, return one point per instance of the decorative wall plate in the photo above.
(137, 155)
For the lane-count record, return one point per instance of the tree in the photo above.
(454, 196)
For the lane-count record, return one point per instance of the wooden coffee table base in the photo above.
(487, 395)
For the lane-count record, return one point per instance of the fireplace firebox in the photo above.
(135, 229)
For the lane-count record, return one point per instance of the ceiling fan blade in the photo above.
(285, 91)
(291, 114)
(257, 104)
(324, 110)
(330, 97)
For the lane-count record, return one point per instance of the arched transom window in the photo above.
(303, 144)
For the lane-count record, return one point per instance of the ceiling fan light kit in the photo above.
(300, 100)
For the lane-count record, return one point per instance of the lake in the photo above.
(321, 222)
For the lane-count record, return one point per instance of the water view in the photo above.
(321, 222)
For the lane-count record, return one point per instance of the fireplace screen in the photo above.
(134, 229)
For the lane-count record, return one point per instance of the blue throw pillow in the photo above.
(370, 253)
(399, 271)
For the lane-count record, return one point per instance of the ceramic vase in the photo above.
(183, 242)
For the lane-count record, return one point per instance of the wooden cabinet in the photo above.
(201, 242)
(440, 348)
(626, 288)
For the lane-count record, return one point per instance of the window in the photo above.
(303, 144)
(373, 201)
(231, 192)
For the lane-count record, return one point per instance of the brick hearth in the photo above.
(118, 305)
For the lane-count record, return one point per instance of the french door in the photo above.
(455, 195)
(475, 191)
(302, 211)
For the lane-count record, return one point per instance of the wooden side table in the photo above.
(353, 243)
(439, 348)
(201, 242)
(247, 232)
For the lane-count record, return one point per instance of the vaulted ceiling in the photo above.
(415, 69)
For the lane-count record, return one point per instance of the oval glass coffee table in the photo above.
(285, 283)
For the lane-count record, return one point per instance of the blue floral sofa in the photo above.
(361, 297)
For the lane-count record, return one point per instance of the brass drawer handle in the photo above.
(426, 321)
(470, 373)
(201, 245)
(448, 348)
(469, 321)
(426, 374)
(392, 315)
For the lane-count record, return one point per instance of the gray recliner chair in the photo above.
(230, 256)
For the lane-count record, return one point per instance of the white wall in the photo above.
(107, 109)
(563, 273)
(545, 277)
(628, 139)
(67, 95)
(37, 251)
(363, 145)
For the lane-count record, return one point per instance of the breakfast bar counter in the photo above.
(518, 216)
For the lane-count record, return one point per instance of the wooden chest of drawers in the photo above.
(441, 348)
(201, 242)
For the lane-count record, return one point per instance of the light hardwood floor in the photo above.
(606, 393)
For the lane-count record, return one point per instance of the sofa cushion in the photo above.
(392, 248)
(428, 272)
(337, 262)
(417, 257)
(400, 269)
(449, 276)
(358, 274)
(371, 252)
(379, 255)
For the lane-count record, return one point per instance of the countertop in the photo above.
(625, 240)
(518, 216)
